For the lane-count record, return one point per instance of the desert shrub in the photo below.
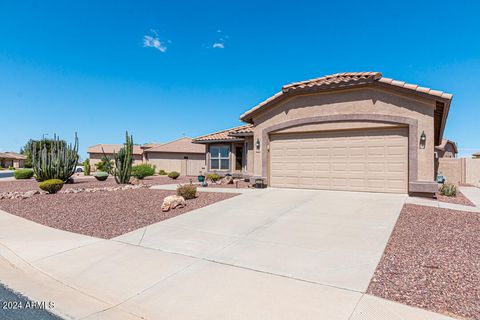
(101, 175)
(449, 190)
(23, 174)
(11, 168)
(104, 164)
(51, 185)
(187, 191)
(143, 170)
(174, 175)
(162, 172)
(213, 177)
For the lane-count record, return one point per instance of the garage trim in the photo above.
(412, 137)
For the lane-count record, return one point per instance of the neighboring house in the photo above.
(347, 131)
(12, 159)
(96, 153)
(180, 155)
(447, 149)
(476, 155)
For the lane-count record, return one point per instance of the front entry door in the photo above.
(238, 158)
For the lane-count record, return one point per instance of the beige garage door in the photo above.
(364, 160)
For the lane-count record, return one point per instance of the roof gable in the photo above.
(112, 148)
(182, 145)
(347, 80)
(232, 134)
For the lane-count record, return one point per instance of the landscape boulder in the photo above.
(172, 202)
(226, 180)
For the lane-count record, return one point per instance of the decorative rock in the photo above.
(226, 180)
(30, 194)
(171, 202)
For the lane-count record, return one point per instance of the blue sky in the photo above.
(162, 69)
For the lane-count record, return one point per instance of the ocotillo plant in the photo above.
(123, 161)
(56, 162)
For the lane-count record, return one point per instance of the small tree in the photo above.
(122, 171)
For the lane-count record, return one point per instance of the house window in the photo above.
(219, 157)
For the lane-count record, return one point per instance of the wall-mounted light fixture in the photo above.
(257, 145)
(423, 140)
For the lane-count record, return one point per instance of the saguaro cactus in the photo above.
(123, 161)
(56, 162)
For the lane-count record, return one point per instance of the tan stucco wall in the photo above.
(452, 169)
(359, 101)
(173, 162)
(250, 155)
(472, 171)
(340, 125)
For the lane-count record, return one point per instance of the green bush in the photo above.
(11, 168)
(187, 191)
(23, 174)
(213, 177)
(162, 172)
(101, 175)
(143, 170)
(51, 186)
(104, 165)
(449, 190)
(174, 175)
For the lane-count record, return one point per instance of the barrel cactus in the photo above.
(58, 161)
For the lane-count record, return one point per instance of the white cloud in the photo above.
(154, 42)
(218, 45)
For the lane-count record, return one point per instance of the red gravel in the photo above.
(459, 199)
(87, 182)
(432, 261)
(104, 214)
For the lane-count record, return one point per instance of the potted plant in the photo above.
(259, 183)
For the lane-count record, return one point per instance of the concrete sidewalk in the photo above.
(198, 265)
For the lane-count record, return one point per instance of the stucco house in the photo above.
(447, 149)
(353, 131)
(180, 155)
(12, 159)
(95, 153)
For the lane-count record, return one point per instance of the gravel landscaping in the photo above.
(87, 182)
(432, 261)
(459, 199)
(103, 214)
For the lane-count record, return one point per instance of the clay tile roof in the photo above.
(335, 80)
(12, 155)
(342, 80)
(182, 145)
(226, 135)
(111, 148)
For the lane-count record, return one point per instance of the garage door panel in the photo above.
(363, 160)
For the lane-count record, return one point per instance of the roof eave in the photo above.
(218, 141)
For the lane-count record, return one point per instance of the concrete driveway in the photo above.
(267, 254)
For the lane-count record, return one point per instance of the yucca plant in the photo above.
(55, 161)
(122, 170)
